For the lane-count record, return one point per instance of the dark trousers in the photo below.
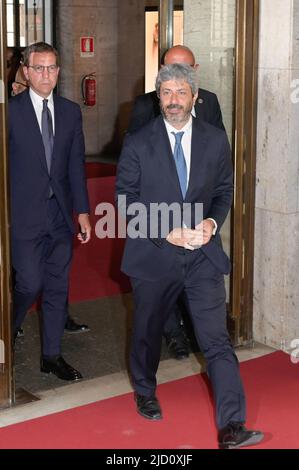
(203, 287)
(42, 266)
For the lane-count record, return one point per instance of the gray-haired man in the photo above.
(173, 160)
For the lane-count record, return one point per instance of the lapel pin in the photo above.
(200, 100)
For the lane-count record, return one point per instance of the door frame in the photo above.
(240, 315)
(6, 366)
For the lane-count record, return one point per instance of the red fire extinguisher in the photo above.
(88, 88)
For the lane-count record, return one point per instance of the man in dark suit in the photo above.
(183, 164)
(47, 182)
(206, 108)
(71, 326)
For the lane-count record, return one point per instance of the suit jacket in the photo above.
(147, 173)
(29, 177)
(147, 107)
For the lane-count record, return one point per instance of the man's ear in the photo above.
(14, 87)
(25, 72)
(196, 67)
(195, 98)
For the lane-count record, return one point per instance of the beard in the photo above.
(180, 118)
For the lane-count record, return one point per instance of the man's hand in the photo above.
(85, 228)
(185, 237)
(205, 228)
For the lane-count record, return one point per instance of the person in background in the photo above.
(20, 83)
(47, 183)
(206, 108)
(14, 59)
(176, 159)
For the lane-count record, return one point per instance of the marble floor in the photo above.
(106, 376)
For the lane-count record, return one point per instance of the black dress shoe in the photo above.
(235, 435)
(72, 327)
(60, 368)
(148, 407)
(178, 347)
(19, 333)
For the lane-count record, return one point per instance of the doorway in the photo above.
(229, 56)
(224, 36)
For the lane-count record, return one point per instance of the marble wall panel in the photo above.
(276, 181)
(270, 287)
(275, 47)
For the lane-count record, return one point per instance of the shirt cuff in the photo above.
(215, 225)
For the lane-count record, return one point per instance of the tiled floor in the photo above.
(99, 354)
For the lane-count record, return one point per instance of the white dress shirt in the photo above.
(37, 102)
(186, 141)
(186, 144)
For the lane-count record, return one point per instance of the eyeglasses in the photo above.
(41, 68)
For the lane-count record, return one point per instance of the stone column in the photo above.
(131, 59)
(118, 29)
(96, 18)
(276, 284)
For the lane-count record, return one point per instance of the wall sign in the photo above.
(87, 46)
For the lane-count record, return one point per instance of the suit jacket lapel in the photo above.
(198, 150)
(162, 150)
(31, 122)
(58, 127)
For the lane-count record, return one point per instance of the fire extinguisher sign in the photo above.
(87, 46)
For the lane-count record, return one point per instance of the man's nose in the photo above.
(45, 72)
(174, 98)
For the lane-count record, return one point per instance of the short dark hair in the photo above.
(38, 47)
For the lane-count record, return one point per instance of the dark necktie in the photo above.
(47, 133)
(180, 162)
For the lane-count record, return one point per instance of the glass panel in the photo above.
(151, 49)
(35, 21)
(152, 43)
(10, 24)
(209, 30)
(22, 16)
(48, 18)
(178, 27)
(10, 39)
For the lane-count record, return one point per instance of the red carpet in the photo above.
(272, 388)
(96, 266)
(97, 169)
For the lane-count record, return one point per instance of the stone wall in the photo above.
(118, 29)
(276, 286)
